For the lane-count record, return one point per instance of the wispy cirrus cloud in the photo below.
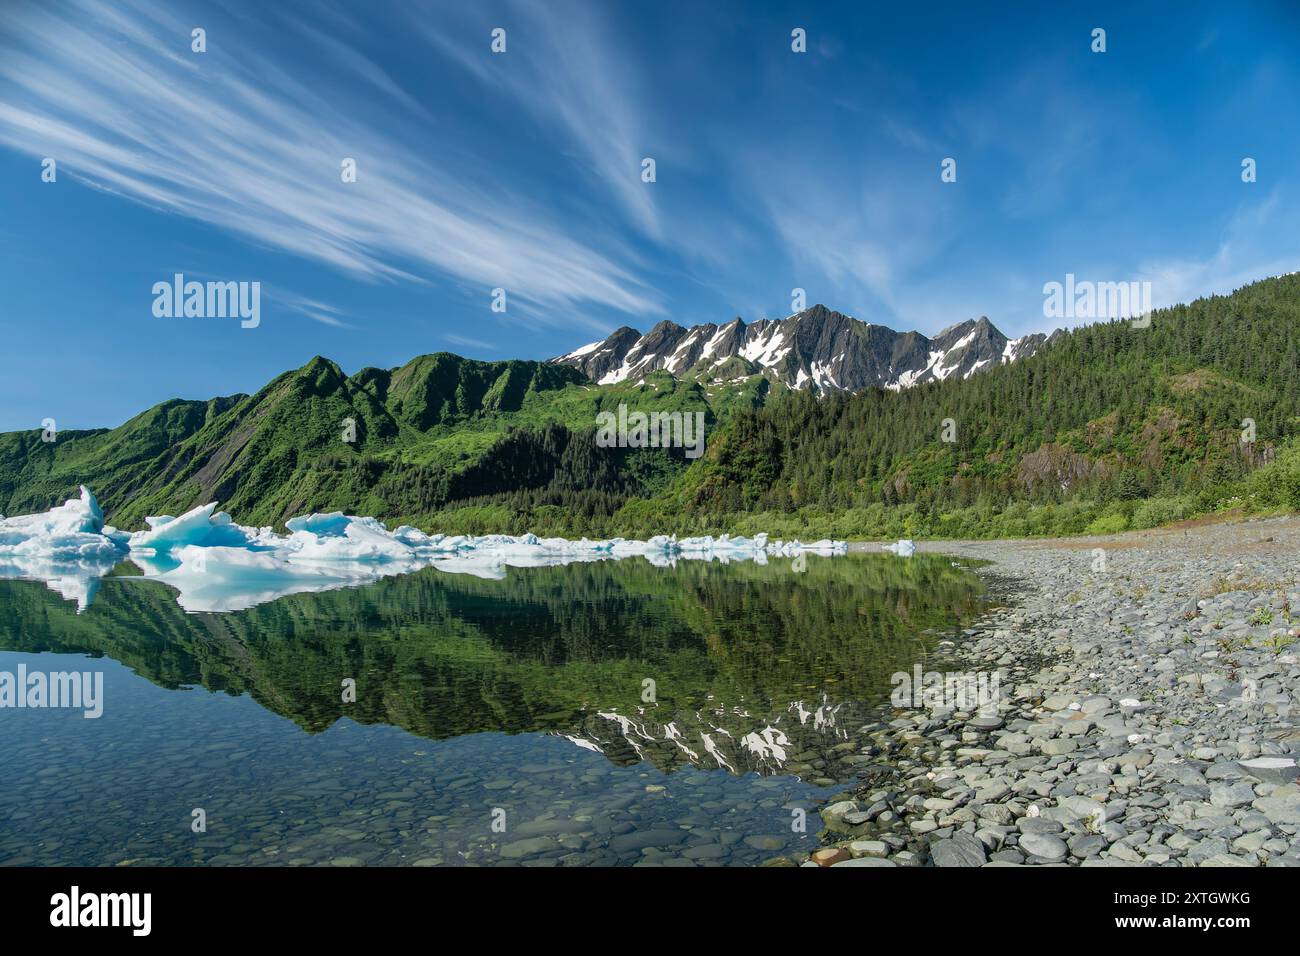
(1246, 250)
(466, 341)
(321, 312)
(862, 234)
(231, 138)
(563, 67)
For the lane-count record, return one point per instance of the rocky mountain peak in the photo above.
(818, 349)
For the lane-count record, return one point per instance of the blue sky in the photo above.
(522, 170)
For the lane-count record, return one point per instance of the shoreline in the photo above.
(1148, 715)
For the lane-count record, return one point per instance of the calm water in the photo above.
(607, 712)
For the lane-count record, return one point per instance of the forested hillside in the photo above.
(400, 443)
(1110, 426)
(1110, 414)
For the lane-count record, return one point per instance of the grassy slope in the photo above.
(281, 451)
(1110, 428)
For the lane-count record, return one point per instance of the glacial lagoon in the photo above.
(609, 712)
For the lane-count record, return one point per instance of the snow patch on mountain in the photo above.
(817, 349)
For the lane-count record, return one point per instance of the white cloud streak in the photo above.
(230, 138)
(560, 65)
(1248, 249)
(470, 343)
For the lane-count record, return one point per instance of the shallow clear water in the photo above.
(493, 721)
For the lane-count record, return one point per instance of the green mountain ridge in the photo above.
(1109, 427)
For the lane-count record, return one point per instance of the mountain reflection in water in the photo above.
(731, 666)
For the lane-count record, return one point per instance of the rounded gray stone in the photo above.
(1044, 845)
(962, 849)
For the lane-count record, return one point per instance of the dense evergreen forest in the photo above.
(1110, 427)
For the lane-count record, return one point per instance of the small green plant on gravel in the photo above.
(1283, 617)
(1279, 642)
(1224, 584)
(1220, 585)
(1261, 618)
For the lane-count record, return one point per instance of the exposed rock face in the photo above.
(817, 349)
(1055, 465)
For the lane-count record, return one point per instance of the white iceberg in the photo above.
(74, 531)
(68, 547)
(218, 565)
(203, 527)
(904, 549)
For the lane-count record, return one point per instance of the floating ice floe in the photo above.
(904, 549)
(68, 547)
(74, 531)
(218, 565)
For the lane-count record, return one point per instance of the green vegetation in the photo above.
(437, 430)
(1108, 429)
(446, 654)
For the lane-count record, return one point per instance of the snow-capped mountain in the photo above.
(816, 349)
